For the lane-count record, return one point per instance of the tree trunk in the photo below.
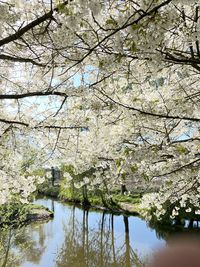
(85, 196)
(123, 189)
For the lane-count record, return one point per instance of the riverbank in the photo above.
(121, 204)
(38, 213)
(98, 238)
(18, 214)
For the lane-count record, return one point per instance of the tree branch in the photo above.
(29, 26)
(164, 116)
(20, 59)
(31, 94)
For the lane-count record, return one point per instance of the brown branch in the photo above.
(30, 26)
(178, 169)
(186, 140)
(124, 26)
(20, 59)
(62, 104)
(31, 94)
(182, 60)
(55, 127)
(14, 122)
(164, 116)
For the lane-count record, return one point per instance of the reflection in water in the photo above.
(86, 246)
(17, 246)
(78, 238)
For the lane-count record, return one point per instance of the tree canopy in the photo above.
(111, 85)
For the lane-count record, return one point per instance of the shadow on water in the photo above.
(188, 228)
(79, 238)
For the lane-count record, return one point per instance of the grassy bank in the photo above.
(16, 214)
(118, 203)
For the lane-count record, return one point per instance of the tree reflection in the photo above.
(88, 245)
(88, 240)
(19, 245)
(127, 241)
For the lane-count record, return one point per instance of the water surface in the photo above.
(79, 238)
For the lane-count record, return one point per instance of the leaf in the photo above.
(101, 64)
(126, 151)
(118, 162)
(135, 26)
(133, 47)
(61, 7)
(134, 168)
(112, 22)
(135, 99)
(119, 57)
(181, 149)
(145, 177)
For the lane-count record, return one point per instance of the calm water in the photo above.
(78, 238)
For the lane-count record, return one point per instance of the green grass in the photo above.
(67, 194)
(95, 200)
(132, 199)
(16, 214)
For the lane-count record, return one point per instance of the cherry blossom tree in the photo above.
(109, 85)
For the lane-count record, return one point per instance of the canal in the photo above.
(79, 238)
